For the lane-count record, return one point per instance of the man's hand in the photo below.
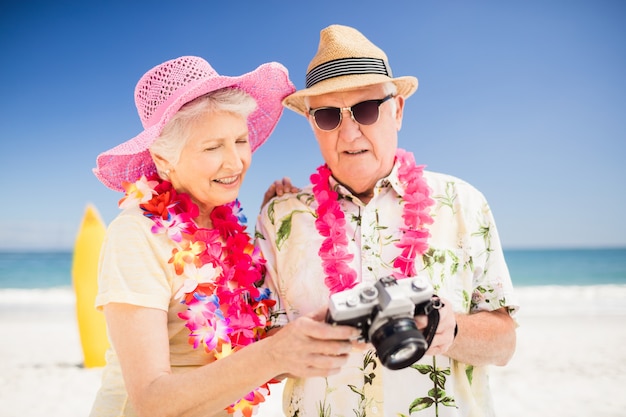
(444, 335)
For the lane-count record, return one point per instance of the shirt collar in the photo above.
(390, 180)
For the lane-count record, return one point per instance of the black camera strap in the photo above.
(432, 311)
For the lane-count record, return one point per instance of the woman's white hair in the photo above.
(176, 132)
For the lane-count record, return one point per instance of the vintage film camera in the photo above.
(385, 314)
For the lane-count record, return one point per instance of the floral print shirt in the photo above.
(464, 263)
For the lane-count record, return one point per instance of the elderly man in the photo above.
(369, 213)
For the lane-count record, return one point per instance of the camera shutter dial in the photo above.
(419, 284)
(352, 301)
(368, 294)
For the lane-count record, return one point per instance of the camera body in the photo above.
(384, 312)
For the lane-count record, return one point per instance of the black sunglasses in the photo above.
(364, 113)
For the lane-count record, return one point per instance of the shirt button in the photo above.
(375, 410)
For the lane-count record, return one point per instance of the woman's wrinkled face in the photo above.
(359, 155)
(214, 161)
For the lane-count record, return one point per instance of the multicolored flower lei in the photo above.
(331, 224)
(226, 309)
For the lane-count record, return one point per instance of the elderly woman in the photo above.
(179, 279)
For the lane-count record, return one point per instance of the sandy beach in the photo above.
(570, 359)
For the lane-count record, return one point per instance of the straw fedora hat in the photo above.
(164, 89)
(346, 60)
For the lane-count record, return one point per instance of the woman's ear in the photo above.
(162, 165)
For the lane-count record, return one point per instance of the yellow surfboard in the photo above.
(91, 323)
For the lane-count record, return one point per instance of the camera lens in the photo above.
(399, 343)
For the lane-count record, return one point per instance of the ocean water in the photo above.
(30, 270)
(567, 266)
(562, 267)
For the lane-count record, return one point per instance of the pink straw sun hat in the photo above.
(163, 90)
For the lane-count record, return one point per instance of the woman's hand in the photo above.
(308, 347)
(278, 188)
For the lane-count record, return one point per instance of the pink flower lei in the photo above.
(331, 224)
(226, 309)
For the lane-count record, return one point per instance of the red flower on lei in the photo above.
(226, 309)
(331, 224)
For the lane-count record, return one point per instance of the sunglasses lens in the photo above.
(366, 113)
(327, 118)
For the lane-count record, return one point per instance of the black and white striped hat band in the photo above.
(347, 66)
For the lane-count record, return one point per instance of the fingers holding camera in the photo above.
(307, 347)
(446, 330)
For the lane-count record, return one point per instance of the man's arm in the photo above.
(484, 338)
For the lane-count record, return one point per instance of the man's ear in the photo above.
(399, 111)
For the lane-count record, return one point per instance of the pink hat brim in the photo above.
(268, 85)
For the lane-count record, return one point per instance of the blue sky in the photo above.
(525, 100)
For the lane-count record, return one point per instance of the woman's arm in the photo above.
(305, 348)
